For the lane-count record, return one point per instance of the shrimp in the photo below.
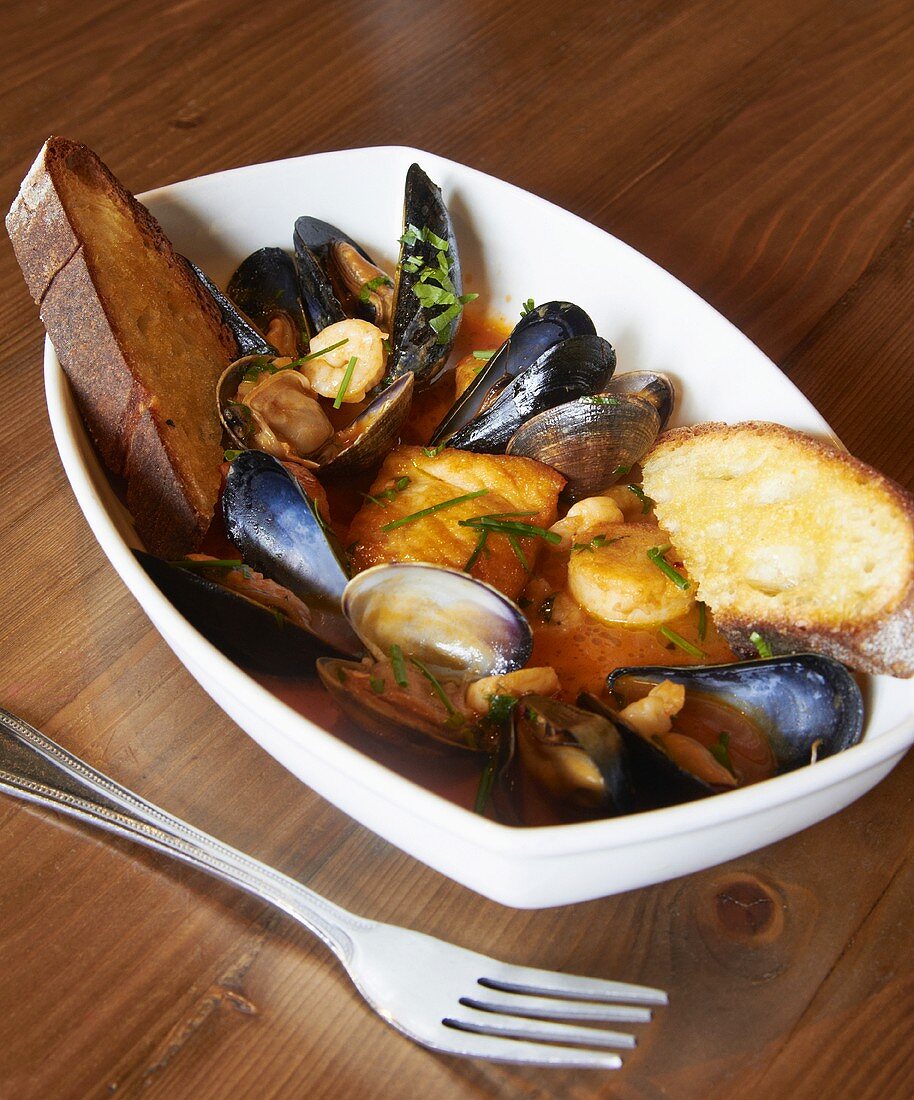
(364, 343)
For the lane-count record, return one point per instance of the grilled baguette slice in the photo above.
(141, 342)
(785, 536)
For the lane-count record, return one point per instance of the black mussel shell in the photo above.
(248, 339)
(800, 702)
(655, 777)
(416, 344)
(325, 296)
(265, 287)
(249, 634)
(280, 534)
(535, 333)
(574, 368)
(576, 755)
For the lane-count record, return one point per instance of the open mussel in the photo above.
(279, 532)
(592, 441)
(540, 329)
(429, 631)
(428, 292)
(265, 288)
(579, 366)
(741, 722)
(257, 638)
(576, 756)
(337, 277)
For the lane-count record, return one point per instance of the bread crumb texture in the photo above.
(778, 528)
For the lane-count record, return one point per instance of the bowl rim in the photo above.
(295, 728)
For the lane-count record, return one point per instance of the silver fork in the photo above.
(440, 995)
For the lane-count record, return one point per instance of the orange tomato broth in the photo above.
(582, 652)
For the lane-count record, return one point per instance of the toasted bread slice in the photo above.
(141, 342)
(790, 538)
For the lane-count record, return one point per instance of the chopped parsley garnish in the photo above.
(398, 665)
(372, 285)
(528, 307)
(344, 385)
(656, 555)
(764, 649)
(645, 500)
(434, 287)
(678, 640)
(433, 508)
(702, 621)
(501, 704)
(720, 750)
(484, 354)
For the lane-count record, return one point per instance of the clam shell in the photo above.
(591, 441)
(653, 387)
(450, 621)
(373, 433)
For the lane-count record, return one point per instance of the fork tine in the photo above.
(517, 1004)
(543, 1031)
(550, 983)
(497, 1049)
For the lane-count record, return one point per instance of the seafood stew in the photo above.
(505, 465)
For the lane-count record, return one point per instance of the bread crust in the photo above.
(882, 644)
(171, 508)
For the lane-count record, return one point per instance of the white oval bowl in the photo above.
(513, 246)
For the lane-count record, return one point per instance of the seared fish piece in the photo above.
(410, 481)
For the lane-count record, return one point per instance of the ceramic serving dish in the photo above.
(513, 246)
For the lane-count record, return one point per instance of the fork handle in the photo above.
(37, 769)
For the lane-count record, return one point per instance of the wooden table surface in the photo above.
(763, 152)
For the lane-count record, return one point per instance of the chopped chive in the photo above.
(347, 378)
(436, 685)
(377, 685)
(317, 354)
(595, 543)
(645, 501)
(433, 452)
(401, 483)
(764, 649)
(210, 563)
(399, 666)
(620, 470)
(510, 527)
(486, 782)
(527, 307)
(518, 552)
(433, 508)
(231, 455)
(720, 750)
(279, 618)
(381, 503)
(599, 399)
(678, 640)
(656, 555)
(702, 621)
(474, 557)
(341, 675)
(484, 354)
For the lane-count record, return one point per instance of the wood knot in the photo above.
(187, 119)
(745, 909)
